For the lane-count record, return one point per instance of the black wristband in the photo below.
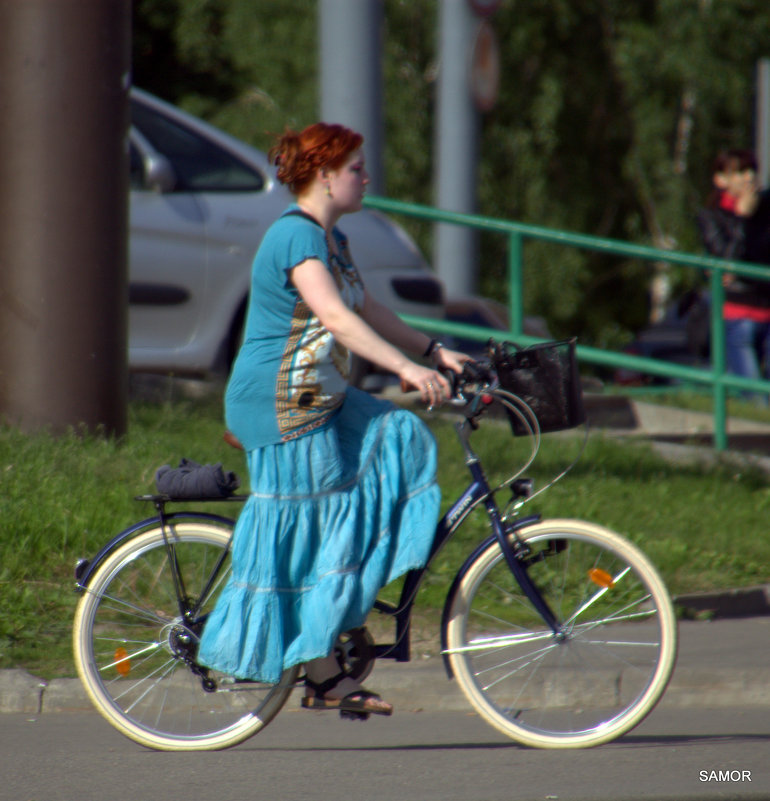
(433, 346)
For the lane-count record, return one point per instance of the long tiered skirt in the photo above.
(332, 518)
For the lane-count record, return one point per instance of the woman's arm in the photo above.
(317, 288)
(392, 328)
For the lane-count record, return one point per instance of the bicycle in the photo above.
(560, 632)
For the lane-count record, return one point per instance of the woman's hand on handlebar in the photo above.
(432, 386)
(446, 359)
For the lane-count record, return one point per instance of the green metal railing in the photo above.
(716, 378)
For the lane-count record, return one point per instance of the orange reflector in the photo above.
(123, 664)
(601, 578)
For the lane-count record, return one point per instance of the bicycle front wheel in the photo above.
(592, 681)
(135, 638)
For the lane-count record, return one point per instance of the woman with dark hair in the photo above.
(343, 493)
(736, 225)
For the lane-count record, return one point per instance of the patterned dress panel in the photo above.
(315, 368)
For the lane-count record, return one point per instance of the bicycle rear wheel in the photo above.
(135, 643)
(598, 678)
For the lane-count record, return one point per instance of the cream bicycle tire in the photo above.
(607, 671)
(135, 654)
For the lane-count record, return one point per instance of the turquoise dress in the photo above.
(343, 491)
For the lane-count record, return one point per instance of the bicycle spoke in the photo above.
(127, 608)
(124, 660)
(485, 644)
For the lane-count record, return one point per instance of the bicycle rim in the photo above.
(607, 669)
(135, 649)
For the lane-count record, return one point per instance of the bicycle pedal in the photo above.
(347, 714)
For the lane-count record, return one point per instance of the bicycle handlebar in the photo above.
(473, 373)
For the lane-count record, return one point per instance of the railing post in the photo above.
(718, 360)
(515, 284)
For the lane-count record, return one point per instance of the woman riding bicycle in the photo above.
(343, 492)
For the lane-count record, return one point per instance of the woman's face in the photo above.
(736, 181)
(347, 185)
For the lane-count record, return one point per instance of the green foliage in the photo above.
(410, 71)
(607, 122)
(63, 498)
(249, 68)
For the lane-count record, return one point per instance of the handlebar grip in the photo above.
(453, 378)
(472, 373)
(475, 371)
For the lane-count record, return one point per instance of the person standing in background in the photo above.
(735, 225)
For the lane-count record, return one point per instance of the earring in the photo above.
(328, 191)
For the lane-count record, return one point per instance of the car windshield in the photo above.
(199, 164)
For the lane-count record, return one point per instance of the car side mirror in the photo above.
(159, 175)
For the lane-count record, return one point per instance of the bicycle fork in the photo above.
(515, 558)
(515, 552)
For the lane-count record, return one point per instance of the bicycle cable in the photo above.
(528, 419)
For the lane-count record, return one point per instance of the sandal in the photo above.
(357, 705)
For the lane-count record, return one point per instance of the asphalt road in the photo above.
(677, 753)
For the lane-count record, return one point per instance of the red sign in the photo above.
(485, 68)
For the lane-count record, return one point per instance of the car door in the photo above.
(194, 238)
(167, 259)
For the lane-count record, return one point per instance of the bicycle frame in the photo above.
(477, 492)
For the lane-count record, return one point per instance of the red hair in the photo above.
(299, 156)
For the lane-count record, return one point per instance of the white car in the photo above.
(200, 202)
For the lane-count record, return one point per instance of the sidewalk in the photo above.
(721, 663)
(679, 434)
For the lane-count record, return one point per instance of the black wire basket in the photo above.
(546, 378)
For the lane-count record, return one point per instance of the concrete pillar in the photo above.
(350, 51)
(456, 144)
(64, 76)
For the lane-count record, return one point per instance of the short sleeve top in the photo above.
(290, 375)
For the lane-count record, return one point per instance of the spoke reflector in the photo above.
(601, 578)
(122, 662)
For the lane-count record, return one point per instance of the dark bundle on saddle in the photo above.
(192, 480)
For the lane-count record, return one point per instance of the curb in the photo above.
(23, 693)
(413, 688)
(745, 602)
(423, 684)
